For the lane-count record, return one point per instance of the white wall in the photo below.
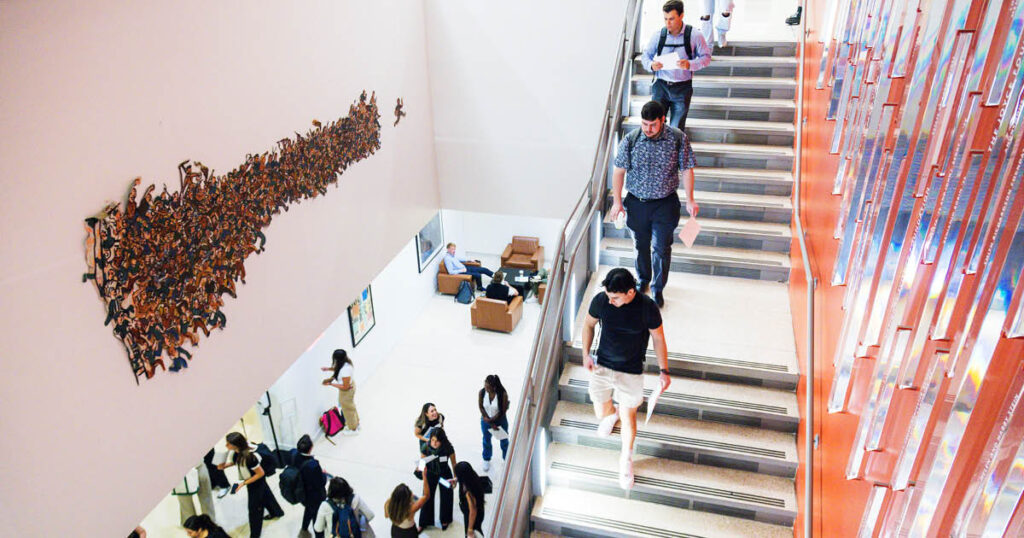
(518, 91)
(399, 296)
(97, 93)
(477, 233)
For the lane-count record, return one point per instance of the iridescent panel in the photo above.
(919, 421)
(906, 41)
(1006, 56)
(869, 520)
(1015, 327)
(983, 48)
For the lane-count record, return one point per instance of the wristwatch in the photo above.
(663, 371)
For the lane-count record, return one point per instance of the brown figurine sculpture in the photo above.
(162, 262)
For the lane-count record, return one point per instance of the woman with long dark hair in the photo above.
(441, 453)
(340, 494)
(429, 419)
(201, 526)
(401, 509)
(341, 369)
(471, 498)
(252, 479)
(493, 403)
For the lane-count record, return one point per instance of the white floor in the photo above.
(441, 359)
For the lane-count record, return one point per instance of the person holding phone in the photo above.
(254, 481)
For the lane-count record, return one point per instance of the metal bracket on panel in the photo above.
(817, 439)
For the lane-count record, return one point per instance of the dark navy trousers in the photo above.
(653, 224)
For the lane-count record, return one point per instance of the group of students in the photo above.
(441, 471)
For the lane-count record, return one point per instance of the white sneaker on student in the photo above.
(487, 466)
(721, 39)
(607, 424)
(626, 473)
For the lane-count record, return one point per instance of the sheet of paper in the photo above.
(668, 61)
(652, 401)
(425, 460)
(220, 457)
(499, 433)
(689, 232)
(444, 482)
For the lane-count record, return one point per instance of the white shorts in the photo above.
(628, 389)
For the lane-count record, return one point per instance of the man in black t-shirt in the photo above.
(628, 320)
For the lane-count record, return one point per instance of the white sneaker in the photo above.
(626, 473)
(721, 39)
(604, 429)
(487, 466)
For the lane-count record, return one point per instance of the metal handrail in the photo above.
(544, 354)
(809, 441)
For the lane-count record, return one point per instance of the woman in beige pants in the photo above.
(341, 367)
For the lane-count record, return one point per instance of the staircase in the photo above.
(719, 455)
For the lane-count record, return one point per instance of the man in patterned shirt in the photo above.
(654, 155)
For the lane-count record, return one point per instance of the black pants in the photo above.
(260, 499)
(653, 224)
(447, 504)
(309, 513)
(675, 97)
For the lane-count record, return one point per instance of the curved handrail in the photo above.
(544, 353)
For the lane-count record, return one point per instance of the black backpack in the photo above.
(344, 523)
(268, 460)
(293, 489)
(465, 293)
(687, 46)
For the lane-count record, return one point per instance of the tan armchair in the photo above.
(523, 253)
(448, 284)
(496, 315)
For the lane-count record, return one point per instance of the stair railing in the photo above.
(520, 479)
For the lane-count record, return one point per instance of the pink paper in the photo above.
(689, 232)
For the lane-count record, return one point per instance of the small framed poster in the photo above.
(428, 241)
(360, 316)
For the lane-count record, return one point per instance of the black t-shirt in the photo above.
(499, 291)
(625, 331)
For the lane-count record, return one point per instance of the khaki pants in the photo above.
(346, 400)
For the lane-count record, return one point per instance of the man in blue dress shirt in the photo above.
(457, 266)
(673, 84)
(655, 155)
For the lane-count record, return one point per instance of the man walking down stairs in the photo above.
(718, 456)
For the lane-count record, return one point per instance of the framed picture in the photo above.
(360, 316)
(428, 241)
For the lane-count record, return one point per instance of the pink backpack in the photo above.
(332, 421)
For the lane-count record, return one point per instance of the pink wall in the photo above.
(95, 94)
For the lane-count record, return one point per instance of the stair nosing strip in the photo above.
(687, 441)
(714, 258)
(705, 358)
(681, 486)
(564, 515)
(702, 399)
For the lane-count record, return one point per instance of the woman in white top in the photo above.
(341, 366)
(493, 404)
(340, 494)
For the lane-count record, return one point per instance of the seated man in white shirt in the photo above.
(456, 266)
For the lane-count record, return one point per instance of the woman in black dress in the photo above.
(441, 453)
(254, 481)
(471, 499)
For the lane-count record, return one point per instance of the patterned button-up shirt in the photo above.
(652, 165)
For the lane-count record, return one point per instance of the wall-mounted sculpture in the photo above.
(163, 261)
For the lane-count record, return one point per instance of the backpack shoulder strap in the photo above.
(661, 40)
(687, 32)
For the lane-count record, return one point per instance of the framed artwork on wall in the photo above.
(428, 241)
(360, 316)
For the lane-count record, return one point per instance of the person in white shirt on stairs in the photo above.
(721, 12)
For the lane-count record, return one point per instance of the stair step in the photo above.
(707, 443)
(715, 401)
(739, 206)
(743, 494)
(723, 103)
(782, 67)
(776, 128)
(719, 328)
(752, 156)
(744, 234)
(744, 180)
(643, 82)
(706, 260)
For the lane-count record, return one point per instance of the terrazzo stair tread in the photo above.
(715, 396)
(758, 42)
(728, 445)
(754, 61)
(729, 103)
(539, 534)
(720, 81)
(573, 512)
(754, 259)
(737, 199)
(755, 127)
(740, 228)
(665, 481)
(748, 175)
(737, 327)
(752, 150)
